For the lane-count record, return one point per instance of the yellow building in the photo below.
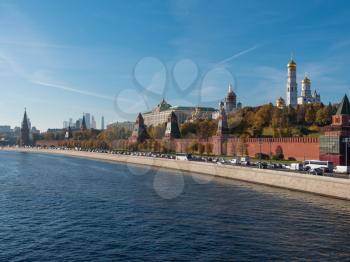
(159, 115)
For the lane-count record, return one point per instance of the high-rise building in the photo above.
(83, 124)
(25, 131)
(65, 124)
(88, 120)
(78, 123)
(292, 86)
(70, 122)
(5, 129)
(93, 122)
(102, 123)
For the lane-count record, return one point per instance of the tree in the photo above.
(310, 115)
(206, 129)
(187, 129)
(157, 132)
(201, 149)
(208, 148)
(193, 147)
(279, 153)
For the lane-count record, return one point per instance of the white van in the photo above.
(182, 156)
(245, 161)
(313, 164)
(296, 166)
(342, 169)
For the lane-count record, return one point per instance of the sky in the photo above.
(59, 59)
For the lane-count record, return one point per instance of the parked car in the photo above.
(245, 161)
(311, 165)
(262, 165)
(296, 166)
(317, 171)
(235, 161)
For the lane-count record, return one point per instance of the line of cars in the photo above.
(315, 167)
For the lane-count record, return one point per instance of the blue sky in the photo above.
(116, 58)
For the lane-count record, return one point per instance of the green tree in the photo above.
(310, 115)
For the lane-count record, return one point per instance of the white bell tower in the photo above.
(292, 86)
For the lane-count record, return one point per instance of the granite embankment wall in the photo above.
(327, 186)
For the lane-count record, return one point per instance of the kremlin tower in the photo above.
(230, 102)
(25, 131)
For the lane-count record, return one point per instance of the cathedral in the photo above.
(230, 102)
(306, 97)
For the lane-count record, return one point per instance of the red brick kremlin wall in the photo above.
(298, 148)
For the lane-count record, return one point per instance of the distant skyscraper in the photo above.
(25, 141)
(83, 124)
(102, 123)
(70, 122)
(65, 124)
(93, 122)
(78, 123)
(292, 86)
(88, 120)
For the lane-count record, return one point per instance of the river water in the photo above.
(56, 208)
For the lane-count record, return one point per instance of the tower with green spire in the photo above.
(25, 132)
(344, 107)
(333, 143)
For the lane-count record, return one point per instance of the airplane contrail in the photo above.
(74, 90)
(238, 55)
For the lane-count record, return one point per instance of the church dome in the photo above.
(306, 80)
(292, 63)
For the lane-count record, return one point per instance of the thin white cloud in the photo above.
(229, 59)
(74, 90)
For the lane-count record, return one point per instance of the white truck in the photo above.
(342, 169)
(182, 156)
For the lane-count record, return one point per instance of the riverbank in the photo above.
(326, 186)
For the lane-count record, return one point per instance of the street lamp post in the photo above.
(346, 141)
(260, 143)
(270, 142)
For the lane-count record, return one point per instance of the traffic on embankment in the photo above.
(293, 177)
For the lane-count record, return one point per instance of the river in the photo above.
(55, 208)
